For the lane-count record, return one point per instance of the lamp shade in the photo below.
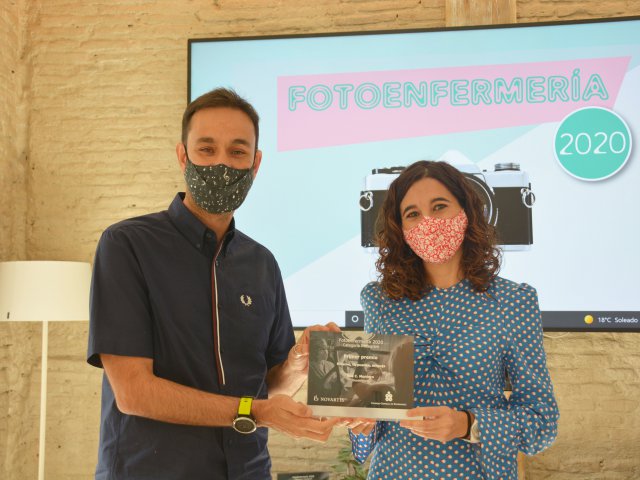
(42, 290)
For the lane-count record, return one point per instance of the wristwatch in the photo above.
(473, 429)
(244, 422)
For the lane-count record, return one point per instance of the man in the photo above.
(190, 321)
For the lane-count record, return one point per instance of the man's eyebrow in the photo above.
(235, 141)
(241, 141)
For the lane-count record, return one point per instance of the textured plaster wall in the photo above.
(19, 343)
(13, 129)
(91, 96)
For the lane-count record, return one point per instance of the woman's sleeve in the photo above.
(530, 422)
(362, 445)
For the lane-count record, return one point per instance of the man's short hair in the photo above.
(219, 98)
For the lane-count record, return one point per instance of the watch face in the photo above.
(244, 425)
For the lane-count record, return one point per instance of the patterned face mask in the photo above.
(436, 240)
(218, 188)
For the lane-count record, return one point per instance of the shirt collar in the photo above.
(197, 233)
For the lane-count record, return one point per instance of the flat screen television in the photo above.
(543, 118)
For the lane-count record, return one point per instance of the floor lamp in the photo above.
(37, 291)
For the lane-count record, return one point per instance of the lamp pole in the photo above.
(43, 398)
(43, 291)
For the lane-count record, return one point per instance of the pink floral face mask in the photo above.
(436, 240)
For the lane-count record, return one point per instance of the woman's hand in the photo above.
(437, 423)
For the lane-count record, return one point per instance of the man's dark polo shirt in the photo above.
(151, 296)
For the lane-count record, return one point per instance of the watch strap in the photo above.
(244, 407)
(469, 422)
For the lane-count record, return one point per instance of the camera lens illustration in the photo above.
(505, 192)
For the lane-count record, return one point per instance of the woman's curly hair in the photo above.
(401, 271)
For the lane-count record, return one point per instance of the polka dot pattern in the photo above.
(464, 342)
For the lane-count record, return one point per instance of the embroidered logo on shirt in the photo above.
(246, 300)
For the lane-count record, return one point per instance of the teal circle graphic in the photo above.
(592, 143)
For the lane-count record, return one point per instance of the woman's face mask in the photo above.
(436, 240)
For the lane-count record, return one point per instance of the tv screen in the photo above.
(543, 119)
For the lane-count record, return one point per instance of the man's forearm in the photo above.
(160, 399)
(139, 392)
(170, 402)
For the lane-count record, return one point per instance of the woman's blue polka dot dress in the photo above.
(464, 342)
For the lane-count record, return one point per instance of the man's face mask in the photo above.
(217, 188)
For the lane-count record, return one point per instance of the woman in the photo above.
(438, 281)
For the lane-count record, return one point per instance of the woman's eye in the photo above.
(439, 206)
(412, 214)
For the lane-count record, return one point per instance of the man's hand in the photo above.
(298, 359)
(437, 423)
(292, 418)
(287, 377)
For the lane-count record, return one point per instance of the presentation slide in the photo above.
(543, 119)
